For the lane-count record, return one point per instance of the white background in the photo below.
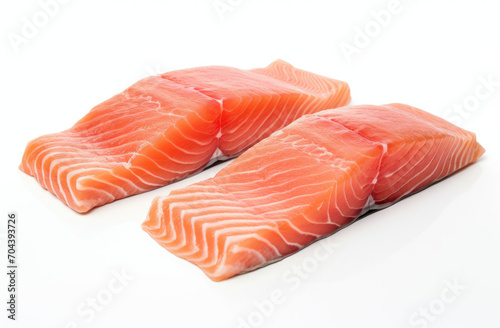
(432, 55)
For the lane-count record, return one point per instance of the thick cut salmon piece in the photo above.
(305, 181)
(166, 127)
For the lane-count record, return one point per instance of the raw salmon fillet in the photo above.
(166, 127)
(304, 182)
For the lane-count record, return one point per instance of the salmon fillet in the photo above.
(304, 182)
(166, 127)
